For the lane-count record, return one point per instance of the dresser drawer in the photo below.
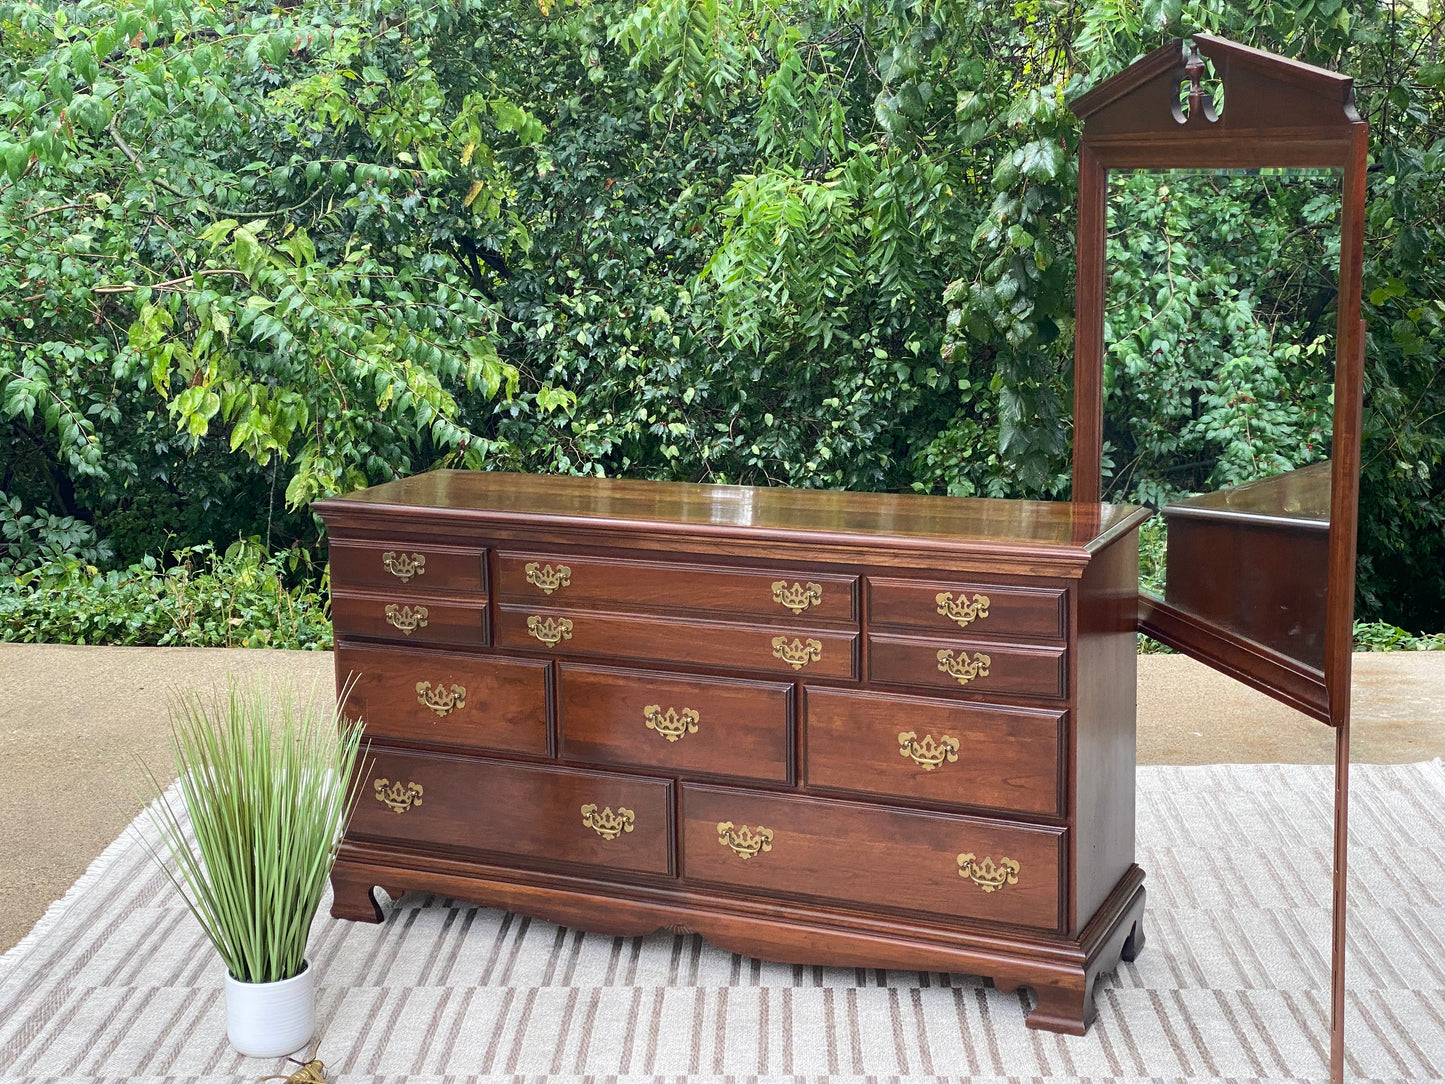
(727, 646)
(416, 619)
(964, 867)
(943, 752)
(985, 610)
(772, 596)
(476, 701)
(975, 666)
(408, 566)
(543, 814)
(710, 726)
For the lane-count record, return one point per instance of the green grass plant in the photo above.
(267, 785)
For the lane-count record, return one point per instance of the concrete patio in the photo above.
(75, 723)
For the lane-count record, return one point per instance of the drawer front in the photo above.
(937, 751)
(984, 610)
(790, 597)
(711, 726)
(963, 867)
(415, 619)
(406, 567)
(435, 696)
(544, 814)
(975, 666)
(811, 652)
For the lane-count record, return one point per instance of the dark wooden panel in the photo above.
(408, 618)
(985, 610)
(479, 701)
(518, 809)
(870, 855)
(774, 596)
(405, 567)
(712, 726)
(1255, 560)
(1106, 646)
(830, 653)
(935, 751)
(984, 666)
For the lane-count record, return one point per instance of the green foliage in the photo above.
(33, 540)
(203, 238)
(812, 245)
(1383, 636)
(1219, 328)
(242, 598)
(267, 786)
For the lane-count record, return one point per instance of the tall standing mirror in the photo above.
(1260, 574)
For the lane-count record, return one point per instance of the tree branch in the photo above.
(168, 284)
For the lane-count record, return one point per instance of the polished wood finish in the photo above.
(987, 610)
(864, 854)
(655, 585)
(1033, 670)
(1276, 113)
(674, 679)
(524, 810)
(502, 703)
(405, 568)
(690, 725)
(408, 617)
(640, 515)
(1009, 759)
(1254, 560)
(725, 645)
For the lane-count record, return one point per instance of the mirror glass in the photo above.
(1220, 332)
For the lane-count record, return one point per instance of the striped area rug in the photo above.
(116, 983)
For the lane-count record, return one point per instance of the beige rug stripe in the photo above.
(116, 982)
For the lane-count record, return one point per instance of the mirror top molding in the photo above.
(1276, 112)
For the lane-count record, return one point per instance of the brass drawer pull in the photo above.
(798, 654)
(550, 631)
(961, 667)
(927, 754)
(799, 596)
(442, 699)
(398, 796)
(406, 618)
(607, 824)
(671, 724)
(404, 566)
(744, 841)
(961, 610)
(546, 578)
(983, 872)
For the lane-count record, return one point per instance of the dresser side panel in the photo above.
(1106, 663)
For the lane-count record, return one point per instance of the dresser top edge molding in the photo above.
(1052, 531)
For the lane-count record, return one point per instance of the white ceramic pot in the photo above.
(270, 1019)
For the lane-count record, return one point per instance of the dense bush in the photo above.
(250, 254)
(243, 597)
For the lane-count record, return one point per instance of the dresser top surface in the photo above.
(708, 509)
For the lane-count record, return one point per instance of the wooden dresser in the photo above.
(816, 727)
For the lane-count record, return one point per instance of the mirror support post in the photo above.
(1089, 329)
(1337, 932)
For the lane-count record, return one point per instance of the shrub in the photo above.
(243, 597)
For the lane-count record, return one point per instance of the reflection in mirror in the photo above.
(1219, 332)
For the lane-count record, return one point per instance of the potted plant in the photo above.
(267, 784)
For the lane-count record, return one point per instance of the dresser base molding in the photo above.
(1061, 972)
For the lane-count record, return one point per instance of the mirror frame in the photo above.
(1278, 113)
